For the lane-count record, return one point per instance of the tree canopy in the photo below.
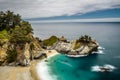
(9, 20)
(85, 39)
(17, 29)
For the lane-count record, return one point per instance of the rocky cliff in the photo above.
(17, 44)
(76, 48)
(19, 54)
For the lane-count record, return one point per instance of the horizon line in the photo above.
(78, 20)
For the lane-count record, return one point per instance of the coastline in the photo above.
(51, 53)
(24, 73)
(42, 68)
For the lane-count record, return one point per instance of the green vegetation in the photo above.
(32, 46)
(4, 34)
(50, 41)
(77, 45)
(14, 30)
(9, 20)
(85, 39)
(19, 35)
(12, 27)
(12, 55)
(82, 40)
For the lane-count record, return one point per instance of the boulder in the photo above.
(63, 39)
(40, 55)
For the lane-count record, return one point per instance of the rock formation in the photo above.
(76, 48)
(19, 54)
(17, 44)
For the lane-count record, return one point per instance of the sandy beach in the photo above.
(51, 53)
(18, 72)
(23, 73)
(42, 67)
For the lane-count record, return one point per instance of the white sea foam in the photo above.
(44, 71)
(76, 55)
(98, 52)
(97, 68)
(101, 48)
(66, 63)
(109, 66)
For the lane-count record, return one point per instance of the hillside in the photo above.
(18, 46)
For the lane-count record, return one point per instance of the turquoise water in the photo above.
(72, 68)
(65, 68)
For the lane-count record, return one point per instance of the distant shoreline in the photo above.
(77, 20)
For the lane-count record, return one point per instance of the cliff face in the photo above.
(3, 50)
(17, 44)
(76, 48)
(19, 54)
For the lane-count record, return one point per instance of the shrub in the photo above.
(18, 36)
(85, 39)
(50, 41)
(4, 34)
(11, 55)
(77, 45)
(20, 39)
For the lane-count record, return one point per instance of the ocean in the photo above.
(61, 67)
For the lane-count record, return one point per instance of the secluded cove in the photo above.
(42, 69)
(20, 48)
(86, 51)
(61, 67)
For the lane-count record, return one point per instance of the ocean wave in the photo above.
(44, 72)
(66, 63)
(96, 68)
(104, 68)
(76, 55)
(98, 52)
(109, 66)
(101, 48)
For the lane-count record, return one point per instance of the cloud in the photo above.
(50, 8)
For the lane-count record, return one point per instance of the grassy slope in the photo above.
(4, 34)
(50, 41)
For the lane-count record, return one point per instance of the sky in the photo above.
(63, 9)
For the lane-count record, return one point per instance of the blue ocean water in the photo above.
(65, 68)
